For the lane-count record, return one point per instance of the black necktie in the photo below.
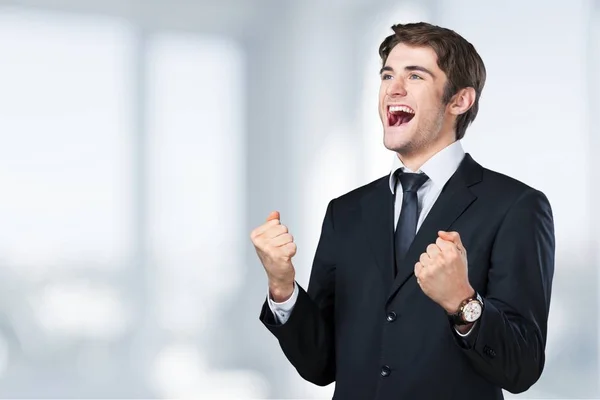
(409, 213)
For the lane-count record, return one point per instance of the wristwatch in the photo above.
(470, 310)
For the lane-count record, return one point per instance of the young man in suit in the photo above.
(434, 281)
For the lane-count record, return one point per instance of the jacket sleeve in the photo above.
(507, 346)
(307, 337)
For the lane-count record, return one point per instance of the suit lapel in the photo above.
(454, 199)
(377, 210)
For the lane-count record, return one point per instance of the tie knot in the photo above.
(411, 182)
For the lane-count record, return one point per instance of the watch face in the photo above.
(472, 311)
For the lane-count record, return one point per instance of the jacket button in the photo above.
(489, 351)
(385, 371)
(391, 317)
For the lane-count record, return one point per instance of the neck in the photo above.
(415, 160)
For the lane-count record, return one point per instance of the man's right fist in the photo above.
(275, 248)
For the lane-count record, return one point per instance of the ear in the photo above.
(462, 101)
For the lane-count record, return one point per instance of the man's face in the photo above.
(410, 100)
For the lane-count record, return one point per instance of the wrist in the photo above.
(281, 292)
(464, 329)
(453, 305)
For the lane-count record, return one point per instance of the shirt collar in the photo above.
(439, 168)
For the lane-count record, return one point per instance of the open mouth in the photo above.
(399, 115)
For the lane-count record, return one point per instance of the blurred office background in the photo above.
(142, 141)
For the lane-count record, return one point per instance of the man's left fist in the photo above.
(442, 272)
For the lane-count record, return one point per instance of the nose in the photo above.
(396, 89)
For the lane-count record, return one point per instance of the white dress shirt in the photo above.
(439, 168)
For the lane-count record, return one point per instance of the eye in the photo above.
(386, 77)
(414, 77)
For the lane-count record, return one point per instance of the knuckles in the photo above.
(432, 249)
(452, 255)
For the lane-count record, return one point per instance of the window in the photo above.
(65, 127)
(65, 165)
(196, 169)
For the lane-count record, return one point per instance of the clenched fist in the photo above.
(275, 248)
(442, 272)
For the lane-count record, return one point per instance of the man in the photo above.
(434, 281)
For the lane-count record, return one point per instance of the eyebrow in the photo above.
(408, 68)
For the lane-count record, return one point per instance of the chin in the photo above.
(397, 139)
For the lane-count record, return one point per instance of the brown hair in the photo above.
(456, 57)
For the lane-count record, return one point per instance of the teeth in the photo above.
(405, 109)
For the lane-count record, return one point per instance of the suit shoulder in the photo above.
(352, 198)
(506, 181)
(503, 186)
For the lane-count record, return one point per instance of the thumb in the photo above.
(453, 237)
(273, 215)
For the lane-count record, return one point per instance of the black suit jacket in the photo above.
(382, 338)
